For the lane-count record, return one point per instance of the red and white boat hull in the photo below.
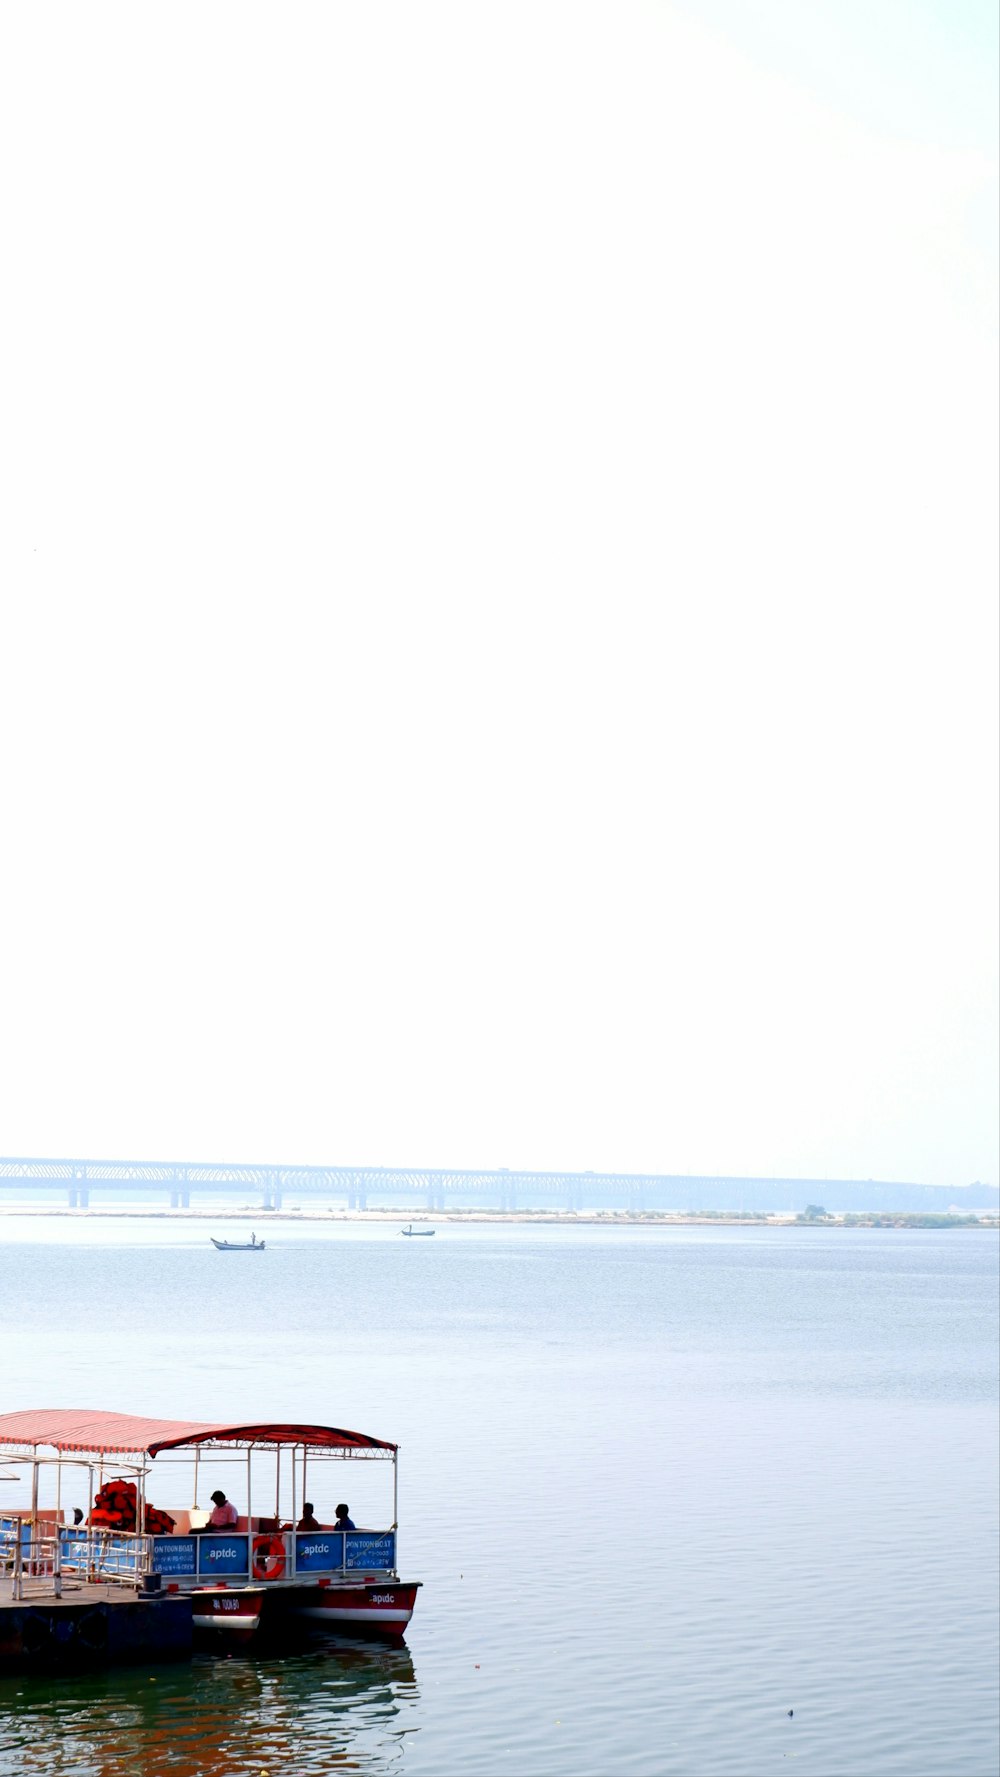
(236, 1615)
(384, 1606)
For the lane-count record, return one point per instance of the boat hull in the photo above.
(231, 1616)
(380, 1607)
(228, 1616)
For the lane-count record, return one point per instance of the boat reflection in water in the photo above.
(341, 1706)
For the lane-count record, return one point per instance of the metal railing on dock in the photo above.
(110, 1557)
(34, 1567)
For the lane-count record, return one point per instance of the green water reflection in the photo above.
(341, 1706)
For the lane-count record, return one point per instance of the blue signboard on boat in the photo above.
(318, 1554)
(175, 1554)
(222, 1554)
(364, 1550)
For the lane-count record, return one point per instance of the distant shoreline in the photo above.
(565, 1218)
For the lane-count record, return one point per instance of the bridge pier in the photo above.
(272, 1190)
(79, 1197)
(180, 1200)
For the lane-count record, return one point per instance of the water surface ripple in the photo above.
(662, 1487)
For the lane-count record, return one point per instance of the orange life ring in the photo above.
(268, 1557)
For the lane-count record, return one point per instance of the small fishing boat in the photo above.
(413, 1233)
(259, 1580)
(253, 1245)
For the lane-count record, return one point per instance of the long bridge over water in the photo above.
(434, 1187)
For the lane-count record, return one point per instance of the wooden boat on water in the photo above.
(258, 1581)
(253, 1245)
(413, 1233)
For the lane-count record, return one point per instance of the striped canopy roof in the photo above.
(96, 1433)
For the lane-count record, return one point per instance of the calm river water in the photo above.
(662, 1487)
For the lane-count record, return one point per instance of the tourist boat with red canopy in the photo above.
(258, 1575)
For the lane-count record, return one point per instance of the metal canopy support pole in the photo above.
(90, 1570)
(197, 1453)
(143, 1549)
(277, 1485)
(395, 1509)
(294, 1537)
(34, 1497)
(249, 1502)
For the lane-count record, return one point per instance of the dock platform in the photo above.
(93, 1625)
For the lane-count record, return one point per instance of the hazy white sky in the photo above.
(499, 657)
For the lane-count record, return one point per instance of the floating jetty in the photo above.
(93, 1625)
(129, 1581)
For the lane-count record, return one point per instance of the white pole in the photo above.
(91, 1570)
(293, 1539)
(197, 1453)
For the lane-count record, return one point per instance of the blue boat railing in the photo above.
(302, 1553)
(125, 1556)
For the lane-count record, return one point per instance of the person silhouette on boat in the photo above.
(308, 1520)
(344, 1522)
(224, 1515)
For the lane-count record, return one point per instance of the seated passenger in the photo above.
(224, 1516)
(343, 1521)
(308, 1520)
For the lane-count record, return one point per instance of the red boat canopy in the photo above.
(66, 1428)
